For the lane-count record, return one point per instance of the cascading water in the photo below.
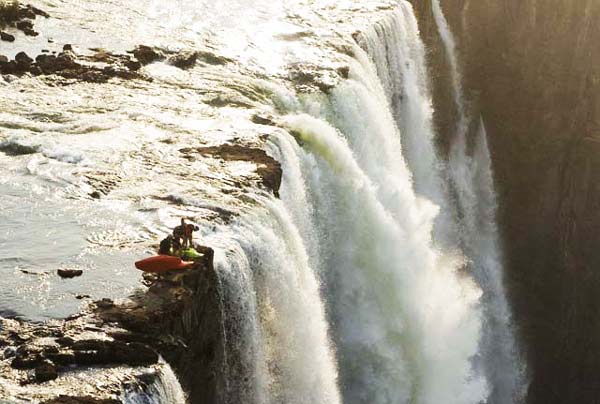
(355, 270)
(291, 356)
(164, 390)
(404, 322)
(395, 47)
(472, 180)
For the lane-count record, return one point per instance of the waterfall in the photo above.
(404, 321)
(355, 273)
(164, 390)
(284, 342)
(472, 179)
(395, 47)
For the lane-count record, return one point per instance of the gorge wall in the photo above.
(531, 69)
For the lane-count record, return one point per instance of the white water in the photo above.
(164, 390)
(472, 179)
(355, 214)
(404, 322)
(291, 357)
(395, 47)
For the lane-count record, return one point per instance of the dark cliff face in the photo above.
(532, 69)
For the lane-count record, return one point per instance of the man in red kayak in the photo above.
(183, 234)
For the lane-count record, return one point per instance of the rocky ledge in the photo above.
(120, 343)
(95, 65)
(21, 17)
(267, 168)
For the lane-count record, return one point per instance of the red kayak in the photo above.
(162, 263)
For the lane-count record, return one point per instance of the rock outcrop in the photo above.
(179, 318)
(267, 168)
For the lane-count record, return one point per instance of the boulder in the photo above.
(7, 37)
(184, 60)
(146, 55)
(9, 352)
(26, 360)
(23, 59)
(69, 273)
(10, 67)
(212, 59)
(50, 64)
(45, 371)
(24, 25)
(65, 341)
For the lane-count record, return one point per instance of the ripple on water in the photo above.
(41, 232)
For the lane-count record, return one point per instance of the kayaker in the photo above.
(183, 234)
(166, 245)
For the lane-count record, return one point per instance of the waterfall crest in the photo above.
(404, 322)
(283, 344)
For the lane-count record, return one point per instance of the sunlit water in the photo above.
(336, 292)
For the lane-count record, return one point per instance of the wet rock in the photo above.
(51, 64)
(344, 71)
(45, 371)
(268, 169)
(26, 27)
(95, 195)
(66, 65)
(183, 60)
(262, 119)
(309, 77)
(9, 67)
(61, 358)
(25, 361)
(6, 37)
(67, 47)
(69, 273)
(101, 352)
(105, 303)
(133, 65)
(212, 59)
(9, 352)
(10, 13)
(23, 59)
(46, 332)
(15, 149)
(63, 399)
(80, 297)
(146, 55)
(36, 11)
(3, 59)
(65, 341)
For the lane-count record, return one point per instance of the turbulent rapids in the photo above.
(375, 276)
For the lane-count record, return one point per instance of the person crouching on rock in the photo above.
(183, 234)
(166, 245)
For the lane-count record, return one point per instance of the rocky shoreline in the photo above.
(177, 319)
(99, 66)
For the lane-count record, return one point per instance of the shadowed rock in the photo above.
(62, 399)
(146, 54)
(69, 273)
(183, 60)
(45, 371)
(6, 37)
(268, 169)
